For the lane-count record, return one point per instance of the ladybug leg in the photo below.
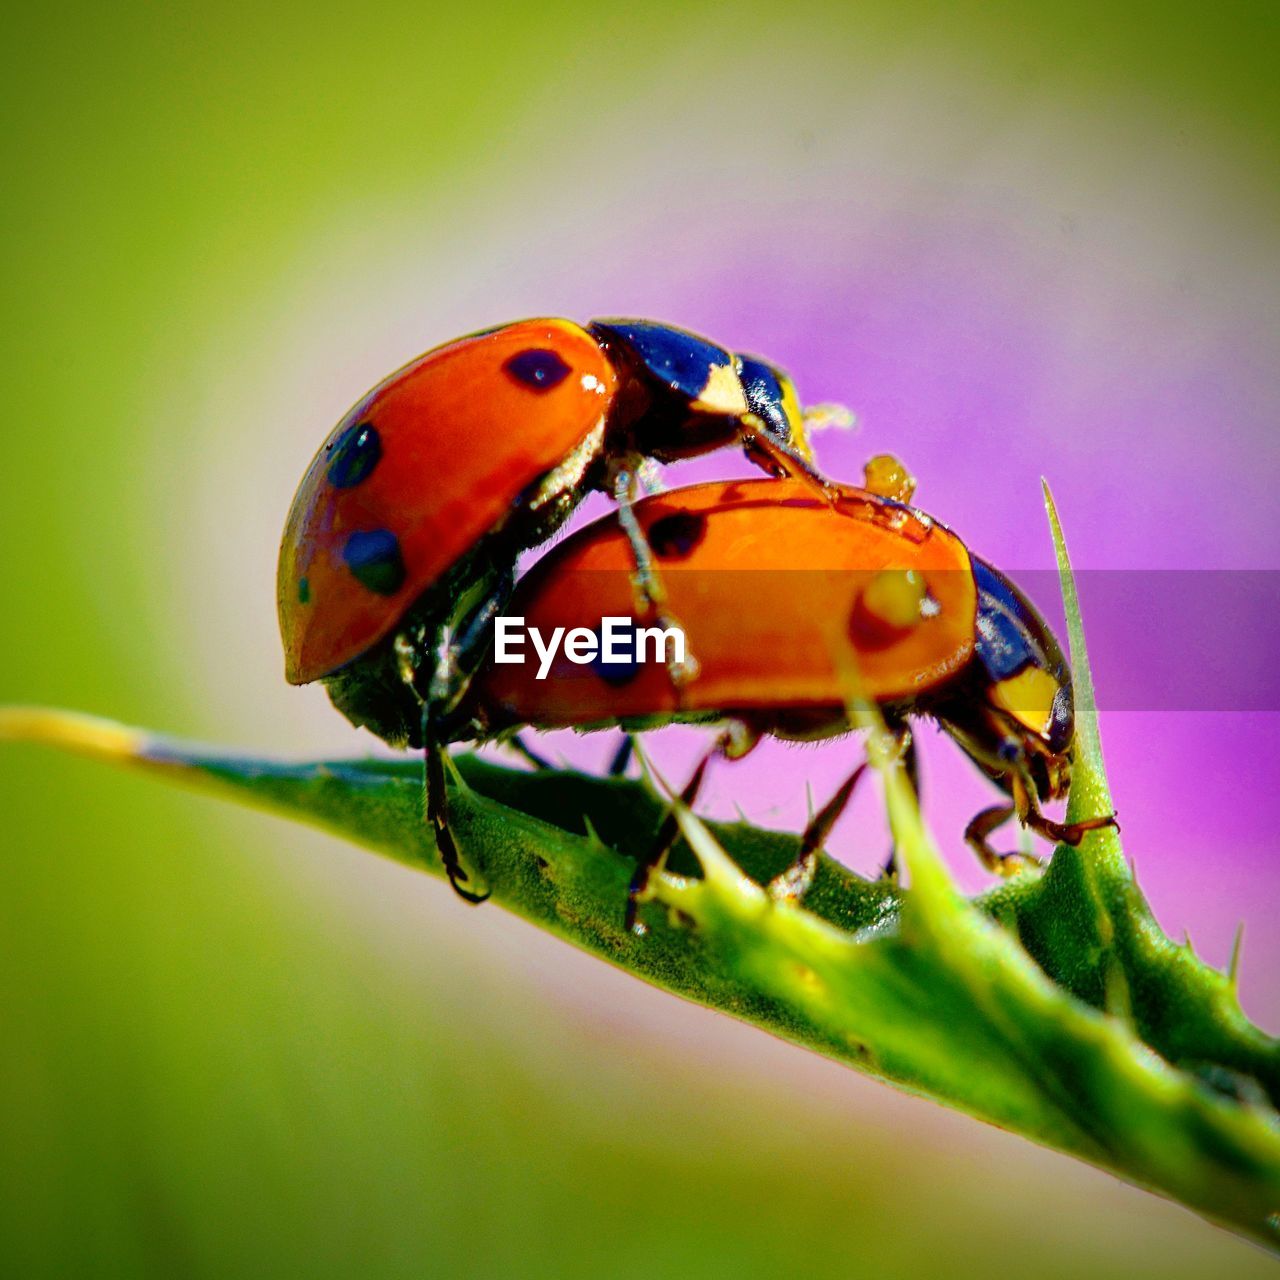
(650, 594)
(778, 458)
(980, 827)
(626, 492)
(738, 738)
(1073, 832)
(526, 752)
(622, 757)
(1059, 832)
(435, 702)
(437, 807)
(462, 647)
(665, 838)
(794, 882)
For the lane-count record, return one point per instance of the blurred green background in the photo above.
(232, 1047)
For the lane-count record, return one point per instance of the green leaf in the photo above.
(1053, 1005)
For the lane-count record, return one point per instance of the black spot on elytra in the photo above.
(353, 456)
(304, 590)
(537, 369)
(616, 673)
(374, 558)
(676, 537)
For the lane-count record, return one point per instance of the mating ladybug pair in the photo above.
(401, 546)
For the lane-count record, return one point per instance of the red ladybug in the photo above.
(789, 603)
(402, 540)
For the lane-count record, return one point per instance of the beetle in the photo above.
(403, 537)
(792, 604)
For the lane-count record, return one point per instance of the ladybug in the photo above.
(792, 602)
(403, 537)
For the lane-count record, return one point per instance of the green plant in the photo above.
(1053, 1005)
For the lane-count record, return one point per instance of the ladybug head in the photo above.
(686, 395)
(1017, 713)
(772, 397)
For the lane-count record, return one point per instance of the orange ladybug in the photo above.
(402, 540)
(493, 439)
(791, 603)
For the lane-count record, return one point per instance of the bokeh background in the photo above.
(1017, 240)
